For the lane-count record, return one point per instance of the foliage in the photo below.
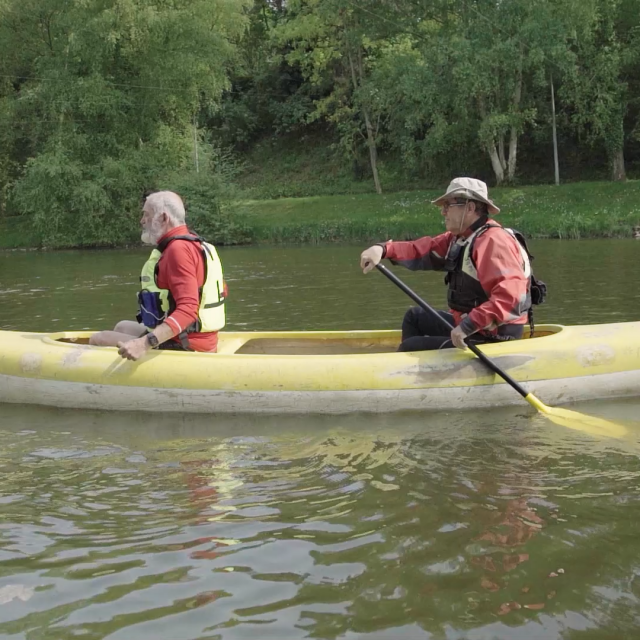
(597, 85)
(580, 210)
(208, 195)
(450, 86)
(335, 44)
(103, 102)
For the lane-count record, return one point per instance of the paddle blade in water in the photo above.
(575, 420)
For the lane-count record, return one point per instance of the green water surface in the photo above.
(453, 525)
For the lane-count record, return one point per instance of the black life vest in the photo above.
(464, 289)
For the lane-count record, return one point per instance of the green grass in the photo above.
(577, 210)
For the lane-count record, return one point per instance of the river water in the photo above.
(456, 525)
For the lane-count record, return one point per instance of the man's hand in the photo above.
(457, 337)
(133, 349)
(370, 257)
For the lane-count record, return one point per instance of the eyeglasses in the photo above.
(447, 205)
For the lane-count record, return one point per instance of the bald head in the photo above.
(166, 202)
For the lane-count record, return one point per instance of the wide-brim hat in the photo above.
(468, 188)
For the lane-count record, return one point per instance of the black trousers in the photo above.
(422, 331)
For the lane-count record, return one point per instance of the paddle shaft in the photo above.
(486, 360)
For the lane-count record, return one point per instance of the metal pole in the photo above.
(555, 134)
(195, 143)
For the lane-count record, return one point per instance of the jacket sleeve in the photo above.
(499, 265)
(182, 282)
(423, 254)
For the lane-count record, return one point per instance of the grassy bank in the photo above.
(577, 210)
(309, 165)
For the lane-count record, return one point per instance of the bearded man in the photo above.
(181, 302)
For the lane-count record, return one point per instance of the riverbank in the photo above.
(571, 211)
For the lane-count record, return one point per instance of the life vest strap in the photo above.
(184, 341)
(213, 305)
(193, 237)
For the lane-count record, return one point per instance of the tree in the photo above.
(103, 100)
(266, 93)
(495, 51)
(335, 44)
(597, 87)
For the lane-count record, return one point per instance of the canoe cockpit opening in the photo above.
(317, 346)
(542, 331)
(73, 340)
(301, 344)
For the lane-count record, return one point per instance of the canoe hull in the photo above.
(108, 397)
(318, 372)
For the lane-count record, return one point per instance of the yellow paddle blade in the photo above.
(582, 422)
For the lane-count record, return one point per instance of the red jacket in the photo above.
(498, 261)
(181, 270)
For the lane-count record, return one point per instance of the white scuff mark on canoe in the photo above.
(72, 358)
(458, 370)
(595, 356)
(601, 331)
(31, 363)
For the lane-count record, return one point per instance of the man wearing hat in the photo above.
(487, 272)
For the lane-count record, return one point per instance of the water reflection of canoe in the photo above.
(318, 372)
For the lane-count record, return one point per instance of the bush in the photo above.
(70, 203)
(208, 213)
(207, 196)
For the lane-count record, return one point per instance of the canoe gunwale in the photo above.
(321, 343)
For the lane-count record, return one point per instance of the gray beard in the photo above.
(147, 238)
(151, 235)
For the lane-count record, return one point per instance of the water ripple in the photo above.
(389, 526)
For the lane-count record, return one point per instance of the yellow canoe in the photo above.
(318, 372)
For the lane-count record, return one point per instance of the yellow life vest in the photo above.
(156, 304)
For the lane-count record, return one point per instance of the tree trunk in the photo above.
(371, 133)
(618, 173)
(498, 168)
(373, 151)
(501, 156)
(195, 144)
(513, 141)
(556, 165)
(513, 154)
(496, 152)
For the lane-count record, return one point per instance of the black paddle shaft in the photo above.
(418, 300)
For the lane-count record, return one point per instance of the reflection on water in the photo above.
(484, 525)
